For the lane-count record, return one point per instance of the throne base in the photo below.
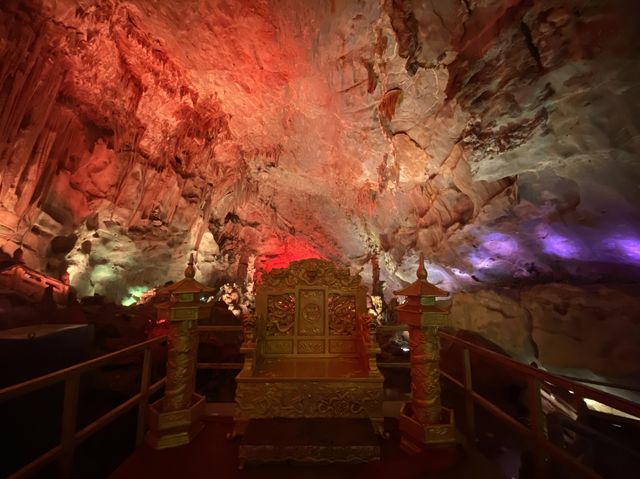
(309, 440)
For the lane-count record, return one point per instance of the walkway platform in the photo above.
(212, 455)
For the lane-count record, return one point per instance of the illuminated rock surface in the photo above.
(499, 137)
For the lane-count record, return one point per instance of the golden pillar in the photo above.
(423, 421)
(176, 419)
(181, 361)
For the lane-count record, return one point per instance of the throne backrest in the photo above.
(309, 310)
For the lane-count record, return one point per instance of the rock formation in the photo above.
(499, 137)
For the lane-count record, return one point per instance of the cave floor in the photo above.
(212, 454)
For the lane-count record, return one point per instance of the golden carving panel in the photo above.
(352, 454)
(310, 272)
(281, 313)
(308, 454)
(311, 313)
(309, 399)
(310, 346)
(337, 346)
(342, 314)
(278, 347)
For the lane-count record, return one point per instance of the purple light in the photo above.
(480, 262)
(493, 247)
(499, 244)
(558, 245)
(460, 273)
(625, 248)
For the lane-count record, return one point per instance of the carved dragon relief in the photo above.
(281, 314)
(311, 272)
(309, 399)
(342, 314)
(309, 454)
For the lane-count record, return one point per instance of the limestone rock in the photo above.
(497, 317)
(561, 327)
(592, 327)
(497, 137)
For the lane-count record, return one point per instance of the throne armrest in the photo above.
(253, 332)
(369, 349)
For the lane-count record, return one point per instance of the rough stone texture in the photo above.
(499, 317)
(560, 326)
(593, 327)
(499, 137)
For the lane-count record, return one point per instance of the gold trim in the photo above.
(308, 454)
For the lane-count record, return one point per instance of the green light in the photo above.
(133, 296)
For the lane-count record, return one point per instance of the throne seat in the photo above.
(304, 369)
(309, 350)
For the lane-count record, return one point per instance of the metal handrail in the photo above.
(70, 438)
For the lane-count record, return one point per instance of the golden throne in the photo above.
(309, 350)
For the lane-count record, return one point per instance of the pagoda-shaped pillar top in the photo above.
(422, 287)
(187, 286)
(421, 308)
(187, 295)
(190, 271)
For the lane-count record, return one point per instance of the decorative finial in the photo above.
(190, 271)
(422, 271)
(18, 255)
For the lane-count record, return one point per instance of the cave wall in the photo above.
(565, 328)
(499, 137)
(89, 182)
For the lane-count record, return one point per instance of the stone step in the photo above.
(309, 440)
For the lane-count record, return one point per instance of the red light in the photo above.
(294, 250)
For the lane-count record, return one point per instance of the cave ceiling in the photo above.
(498, 137)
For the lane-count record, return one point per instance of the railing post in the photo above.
(537, 425)
(144, 396)
(468, 397)
(69, 423)
(535, 407)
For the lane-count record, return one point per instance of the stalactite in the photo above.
(206, 213)
(125, 171)
(342, 147)
(28, 179)
(146, 196)
(174, 203)
(8, 119)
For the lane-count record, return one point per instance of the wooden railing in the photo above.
(535, 431)
(219, 328)
(70, 437)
